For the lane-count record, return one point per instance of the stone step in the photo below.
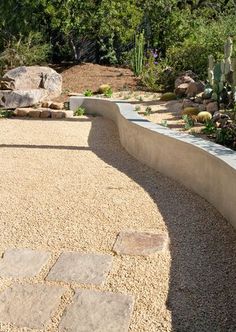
(42, 113)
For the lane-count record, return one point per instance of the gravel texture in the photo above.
(70, 186)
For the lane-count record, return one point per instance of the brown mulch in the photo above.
(78, 78)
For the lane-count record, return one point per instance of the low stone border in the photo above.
(204, 167)
(43, 113)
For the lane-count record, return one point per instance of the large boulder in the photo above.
(195, 88)
(183, 79)
(35, 77)
(21, 98)
(181, 90)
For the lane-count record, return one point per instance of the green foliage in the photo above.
(79, 112)
(5, 113)
(183, 32)
(188, 121)
(148, 111)
(103, 88)
(88, 93)
(25, 51)
(150, 73)
(108, 92)
(164, 123)
(137, 109)
(209, 128)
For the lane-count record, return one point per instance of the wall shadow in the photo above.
(45, 147)
(202, 283)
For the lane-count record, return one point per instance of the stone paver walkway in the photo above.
(92, 240)
(29, 306)
(18, 263)
(97, 311)
(82, 268)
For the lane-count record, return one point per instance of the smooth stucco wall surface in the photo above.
(206, 168)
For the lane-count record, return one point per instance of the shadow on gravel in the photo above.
(47, 147)
(202, 284)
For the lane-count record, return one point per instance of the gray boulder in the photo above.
(21, 98)
(35, 77)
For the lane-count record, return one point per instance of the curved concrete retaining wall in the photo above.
(204, 167)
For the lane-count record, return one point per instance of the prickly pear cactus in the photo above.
(217, 72)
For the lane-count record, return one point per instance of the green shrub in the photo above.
(206, 37)
(5, 113)
(25, 51)
(150, 73)
(79, 112)
(88, 93)
(148, 111)
(103, 88)
(189, 121)
(108, 93)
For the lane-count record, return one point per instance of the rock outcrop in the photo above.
(28, 86)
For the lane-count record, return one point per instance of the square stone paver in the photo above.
(81, 268)
(18, 263)
(29, 306)
(93, 311)
(135, 243)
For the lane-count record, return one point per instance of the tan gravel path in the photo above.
(69, 185)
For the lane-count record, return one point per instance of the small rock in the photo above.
(194, 88)
(207, 93)
(34, 113)
(6, 84)
(45, 113)
(56, 106)
(198, 100)
(57, 114)
(22, 111)
(46, 104)
(181, 89)
(135, 243)
(218, 115)
(207, 101)
(212, 107)
(183, 79)
(188, 103)
(69, 114)
(202, 108)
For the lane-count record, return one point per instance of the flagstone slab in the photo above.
(97, 311)
(29, 306)
(20, 263)
(136, 243)
(82, 268)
